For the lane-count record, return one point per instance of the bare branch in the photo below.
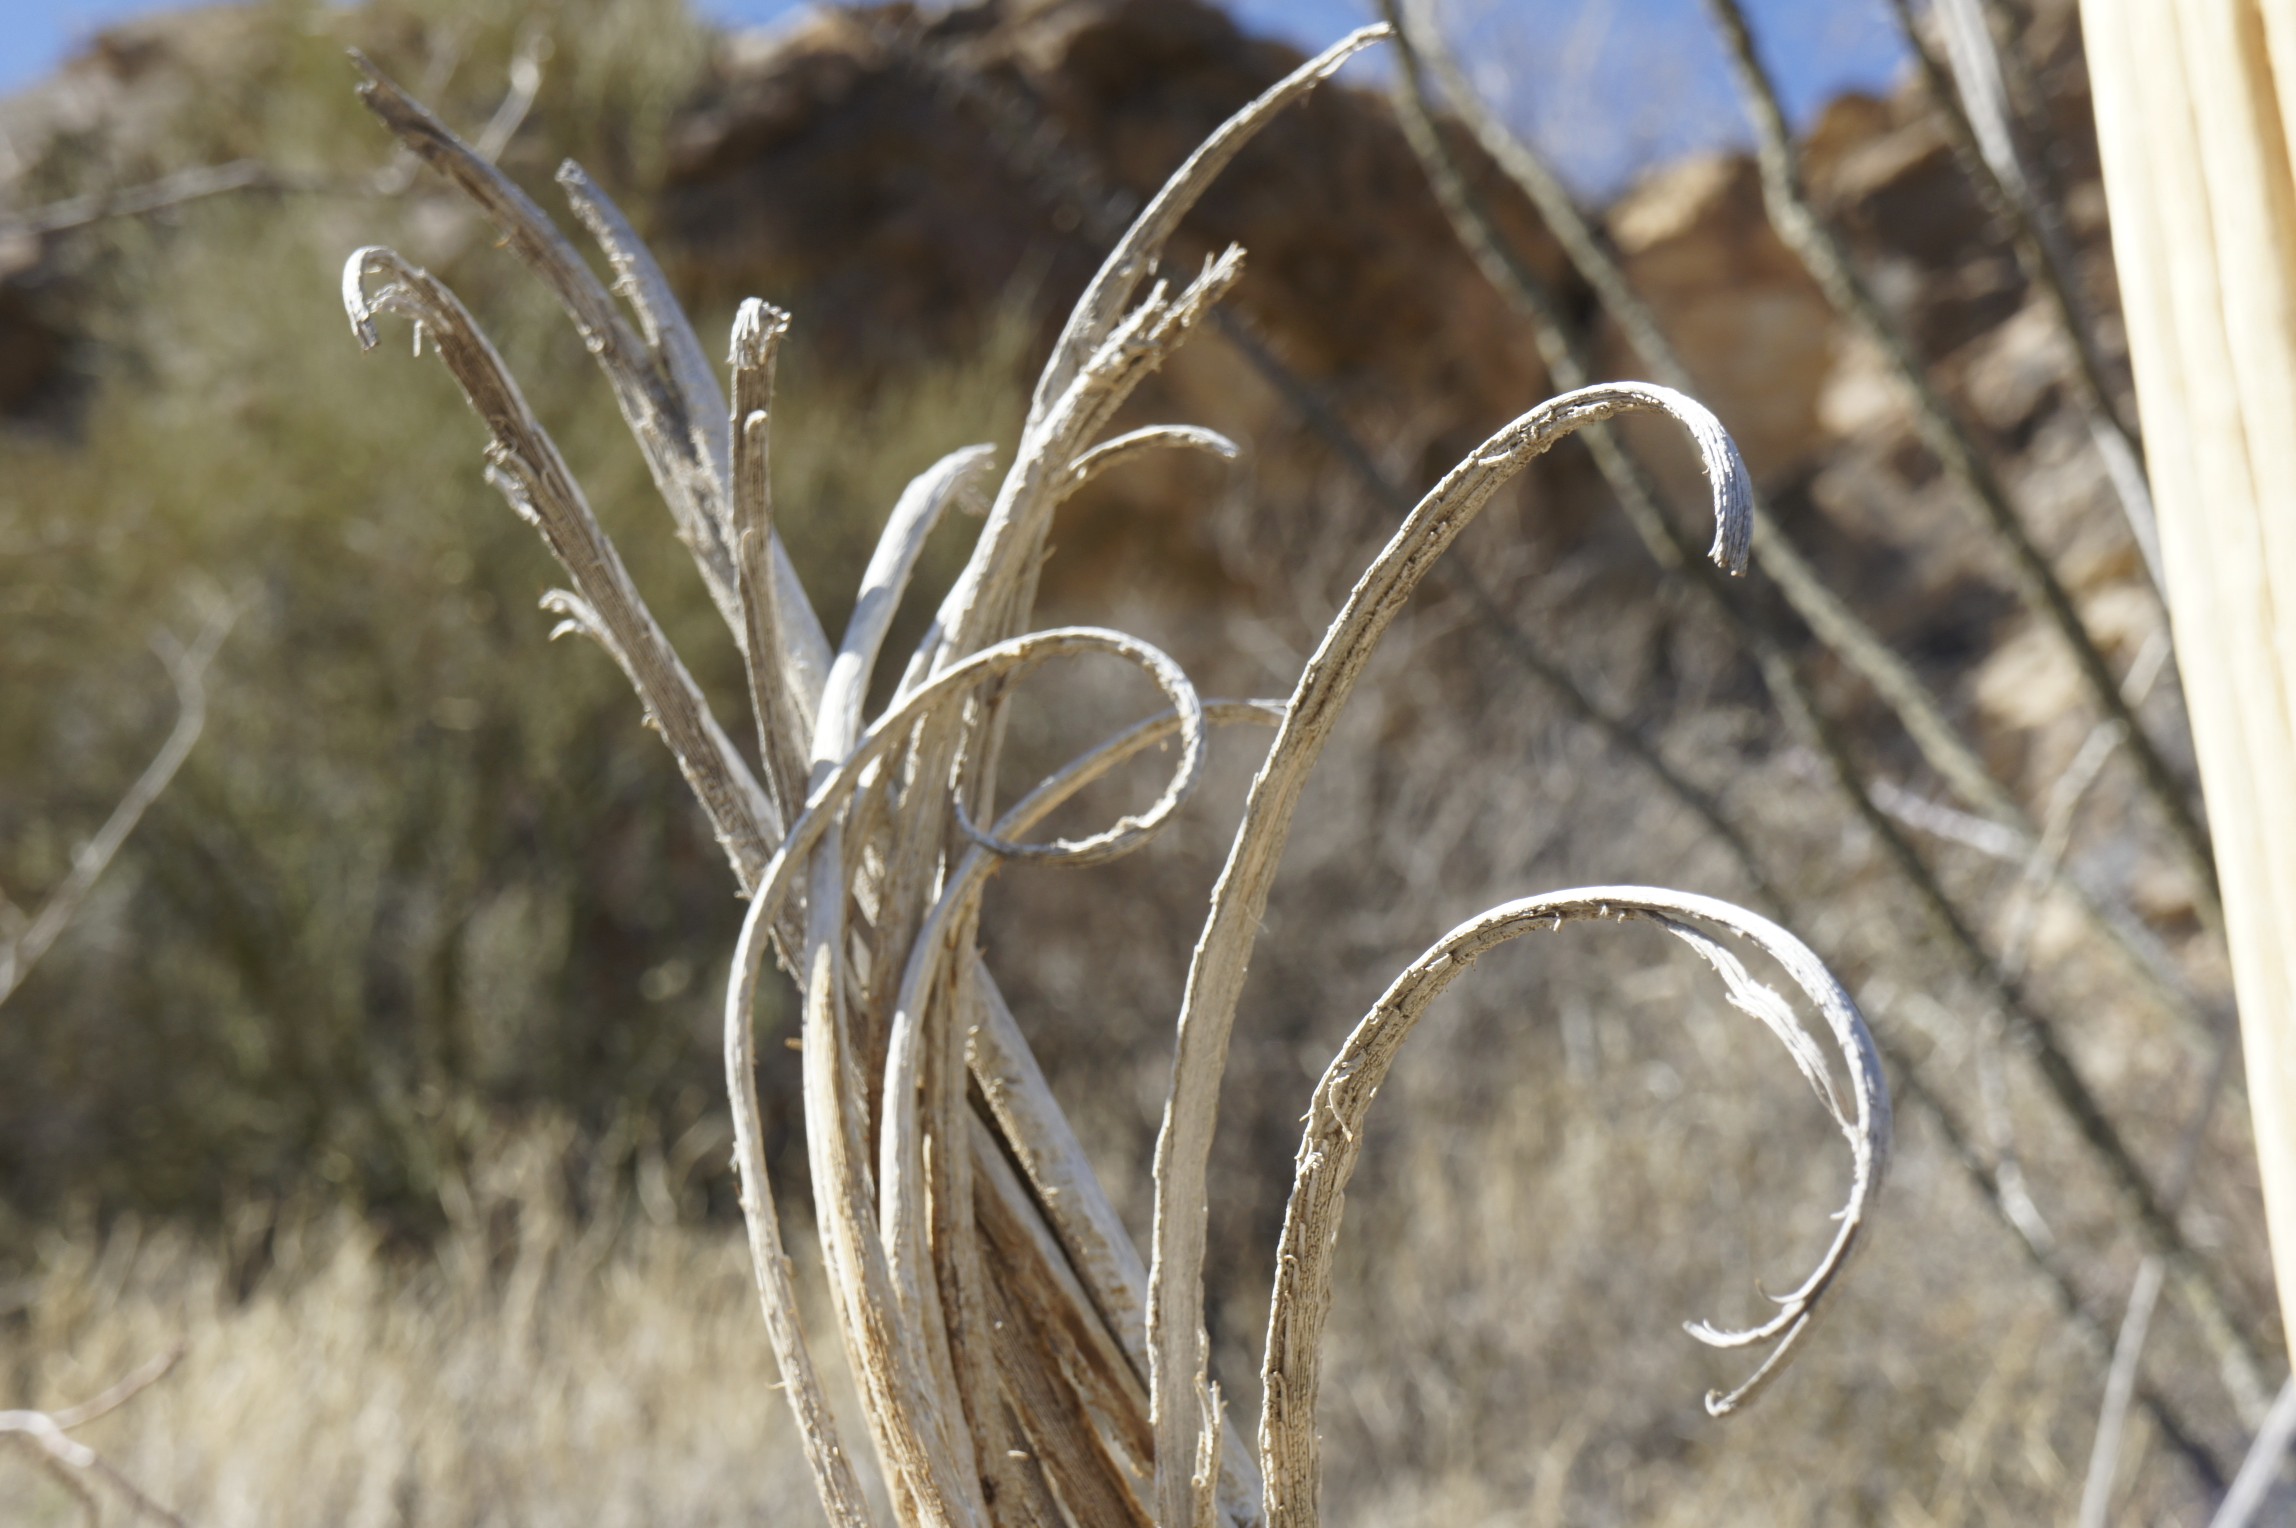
(834, 1481)
(73, 1463)
(1924, 721)
(525, 84)
(1569, 358)
(676, 349)
(988, 598)
(2123, 1375)
(886, 1356)
(1155, 437)
(1940, 741)
(784, 680)
(2000, 825)
(187, 667)
(202, 182)
(2261, 1468)
(2203, 1287)
(2058, 1272)
(193, 185)
(1973, 102)
(883, 582)
(1102, 1251)
(133, 1384)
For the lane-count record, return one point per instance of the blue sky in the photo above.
(1606, 86)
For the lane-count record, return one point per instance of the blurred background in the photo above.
(379, 1070)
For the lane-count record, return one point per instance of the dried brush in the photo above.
(1016, 1361)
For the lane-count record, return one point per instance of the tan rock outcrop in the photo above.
(1750, 324)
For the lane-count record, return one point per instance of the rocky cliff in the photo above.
(901, 178)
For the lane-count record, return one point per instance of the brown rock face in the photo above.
(839, 169)
(819, 172)
(900, 182)
(911, 181)
(107, 119)
(1750, 324)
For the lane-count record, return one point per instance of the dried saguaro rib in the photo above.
(1176, 1341)
(1334, 1140)
(1018, 1365)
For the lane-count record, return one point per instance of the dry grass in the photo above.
(532, 1371)
(1582, 1157)
(1504, 1345)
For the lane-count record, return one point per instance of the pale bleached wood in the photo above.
(677, 350)
(901, 543)
(1099, 1248)
(994, 1313)
(895, 1375)
(46, 1436)
(1154, 437)
(915, 1387)
(834, 1480)
(1333, 1142)
(525, 466)
(1177, 1348)
(22, 947)
(647, 397)
(1040, 1361)
(1111, 1275)
(1008, 1074)
(2194, 115)
(784, 687)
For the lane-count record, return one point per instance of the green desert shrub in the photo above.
(421, 869)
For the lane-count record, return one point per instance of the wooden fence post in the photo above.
(2195, 103)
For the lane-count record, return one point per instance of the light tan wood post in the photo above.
(2195, 101)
